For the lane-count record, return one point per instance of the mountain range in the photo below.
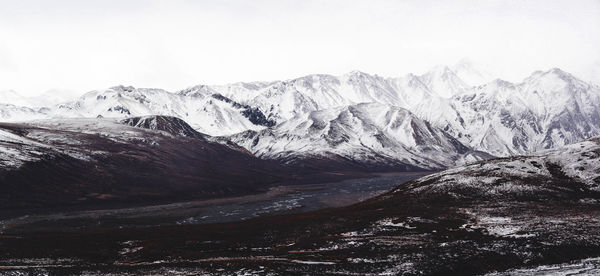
(445, 117)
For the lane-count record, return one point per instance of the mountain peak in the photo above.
(552, 75)
(122, 88)
(197, 90)
(314, 78)
(357, 73)
(443, 82)
(440, 69)
(560, 73)
(464, 62)
(471, 73)
(502, 83)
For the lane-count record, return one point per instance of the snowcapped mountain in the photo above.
(208, 113)
(46, 99)
(546, 110)
(443, 82)
(10, 112)
(380, 135)
(14, 106)
(282, 100)
(324, 115)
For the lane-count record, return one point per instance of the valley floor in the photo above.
(286, 199)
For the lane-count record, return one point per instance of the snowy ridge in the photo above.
(203, 112)
(370, 132)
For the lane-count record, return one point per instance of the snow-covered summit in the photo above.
(472, 73)
(444, 82)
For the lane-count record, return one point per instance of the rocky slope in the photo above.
(172, 125)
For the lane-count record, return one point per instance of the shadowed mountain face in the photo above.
(95, 162)
(484, 217)
(172, 125)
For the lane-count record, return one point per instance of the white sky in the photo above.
(86, 45)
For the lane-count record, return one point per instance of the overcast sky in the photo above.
(86, 45)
